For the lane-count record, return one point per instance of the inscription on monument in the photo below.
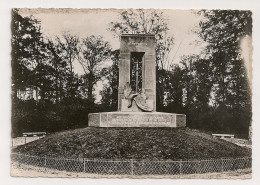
(138, 44)
(141, 119)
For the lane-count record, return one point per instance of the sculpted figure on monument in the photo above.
(140, 99)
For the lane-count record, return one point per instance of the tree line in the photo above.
(211, 88)
(46, 66)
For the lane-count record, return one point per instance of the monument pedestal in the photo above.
(136, 119)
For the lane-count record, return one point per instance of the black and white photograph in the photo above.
(131, 93)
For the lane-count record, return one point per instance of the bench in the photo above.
(34, 134)
(223, 135)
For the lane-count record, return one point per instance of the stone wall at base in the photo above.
(136, 119)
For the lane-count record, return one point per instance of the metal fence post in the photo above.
(84, 165)
(45, 163)
(132, 166)
(198, 167)
(180, 162)
(19, 160)
(222, 166)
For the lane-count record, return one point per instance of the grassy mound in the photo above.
(133, 143)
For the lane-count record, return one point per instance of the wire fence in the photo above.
(134, 167)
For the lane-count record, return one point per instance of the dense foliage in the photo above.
(215, 89)
(47, 94)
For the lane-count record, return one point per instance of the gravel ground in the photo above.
(239, 142)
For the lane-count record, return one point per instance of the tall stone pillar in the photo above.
(133, 45)
(137, 78)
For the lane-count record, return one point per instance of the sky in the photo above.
(86, 22)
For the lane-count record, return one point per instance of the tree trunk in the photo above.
(71, 79)
(90, 88)
(90, 95)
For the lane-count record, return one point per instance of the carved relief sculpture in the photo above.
(139, 99)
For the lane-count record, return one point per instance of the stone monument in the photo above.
(137, 89)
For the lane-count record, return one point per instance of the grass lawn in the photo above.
(133, 143)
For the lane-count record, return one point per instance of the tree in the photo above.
(59, 70)
(198, 84)
(42, 70)
(223, 30)
(25, 37)
(94, 52)
(110, 91)
(46, 65)
(175, 96)
(69, 44)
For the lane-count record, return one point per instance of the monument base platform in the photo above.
(136, 119)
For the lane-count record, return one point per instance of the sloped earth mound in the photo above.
(133, 143)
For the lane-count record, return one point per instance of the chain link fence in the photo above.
(134, 167)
